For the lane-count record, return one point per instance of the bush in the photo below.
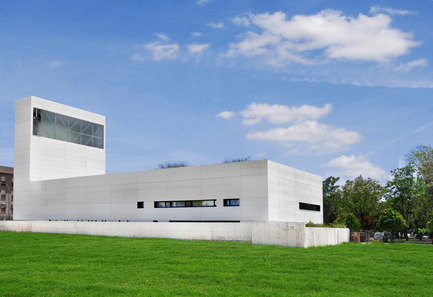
(349, 220)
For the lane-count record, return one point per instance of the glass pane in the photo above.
(87, 128)
(61, 135)
(47, 124)
(48, 130)
(160, 204)
(74, 137)
(86, 140)
(75, 125)
(234, 202)
(98, 130)
(61, 122)
(167, 204)
(97, 142)
(178, 204)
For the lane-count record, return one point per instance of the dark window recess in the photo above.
(187, 203)
(308, 206)
(140, 204)
(231, 202)
(56, 126)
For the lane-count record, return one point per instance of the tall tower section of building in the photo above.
(54, 141)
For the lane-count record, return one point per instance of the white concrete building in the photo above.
(60, 175)
(61, 187)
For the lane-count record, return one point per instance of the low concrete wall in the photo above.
(268, 233)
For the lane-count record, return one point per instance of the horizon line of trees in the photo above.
(362, 203)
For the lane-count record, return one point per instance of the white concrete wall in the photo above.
(115, 196)
(267, 233)
(289, 186)
(39, 158)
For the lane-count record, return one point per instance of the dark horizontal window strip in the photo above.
(185, 203)
(307, 206)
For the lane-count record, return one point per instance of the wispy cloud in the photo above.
(202, 2)
(216, 25)
(197, 48)
(226, 114)
(388, 10)
(336, 36)
(160, 50)
(406, 67)
(196, 34)
(241, 20)
(56, 64)
(353, 166)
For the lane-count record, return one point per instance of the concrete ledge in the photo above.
(268, 233)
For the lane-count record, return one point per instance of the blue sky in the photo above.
(337, 88)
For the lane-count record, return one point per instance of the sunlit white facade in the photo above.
(60, 175)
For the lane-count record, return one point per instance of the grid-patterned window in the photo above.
(3, 178)
(56, 126)
(140, 204)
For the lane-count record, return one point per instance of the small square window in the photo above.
(3, 178)
(140, 204)
(231, 202)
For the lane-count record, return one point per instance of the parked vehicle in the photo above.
(379, 236)
(425, 236)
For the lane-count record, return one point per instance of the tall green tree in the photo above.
(331, 199)
(362, 197)
(422, 159)
(403, 193)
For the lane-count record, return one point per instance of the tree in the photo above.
(421, 159)
(403, 193)
(350, 220)
(391, 220)
(172, 165)
(331, 199)
(362, 198)
(235, 160)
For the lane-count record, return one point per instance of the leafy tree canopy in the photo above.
(391, 220)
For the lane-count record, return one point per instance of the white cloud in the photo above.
(241, 21)
(320, 138)
(56, 64)
(196, 34)
(202, 2)
(197, 48)
(162, 36)
(280, 114)
(226, 115)
(354, 166)
(388, 10)
(216, 25)
(161, 50)
(412, 64)
(335, 36)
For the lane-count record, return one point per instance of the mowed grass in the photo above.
(77, 265)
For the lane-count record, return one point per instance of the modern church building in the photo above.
(59, 175)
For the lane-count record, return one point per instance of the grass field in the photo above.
(77, 265)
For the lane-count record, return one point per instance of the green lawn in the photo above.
(71, 265)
